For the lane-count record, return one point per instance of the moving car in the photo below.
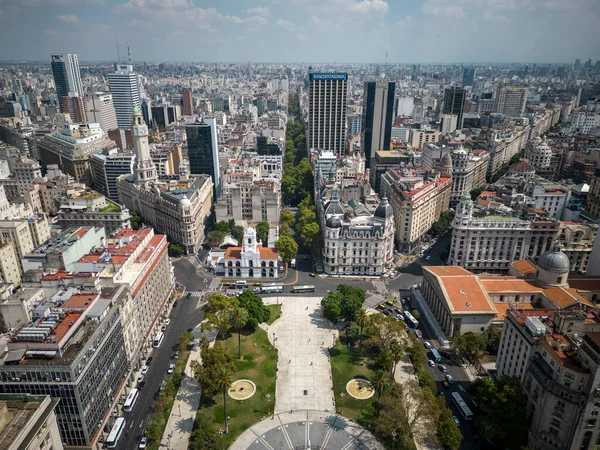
(449, 379)
(427, 345)
(446, 384)
(189, 295)
(418, 333)
(313, 274)
(145, 370)
(456, 421)
(399, 317)
(381, 305)
(389, 302)
(257, 284)
(143, 442)
(443, 368)
(431, 363)
(171, 368)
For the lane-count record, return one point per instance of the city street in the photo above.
(185, 315)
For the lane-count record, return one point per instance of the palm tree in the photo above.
(381, 385)
(224, 380)
(361, 320)
(239, 319)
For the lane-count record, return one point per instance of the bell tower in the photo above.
(144, 171)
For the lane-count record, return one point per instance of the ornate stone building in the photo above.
(178, 205)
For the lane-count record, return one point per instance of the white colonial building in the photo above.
(356, 244)
(251, 260)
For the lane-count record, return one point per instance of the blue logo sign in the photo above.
(329, 76)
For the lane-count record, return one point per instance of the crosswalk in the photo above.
(194, 293)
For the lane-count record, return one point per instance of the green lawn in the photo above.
(275, 313)
(258, 364)
(345, 365)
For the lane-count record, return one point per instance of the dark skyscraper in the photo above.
(203, 151)
(454, 103)
(377, 118)
(188, 102)
(65, 68)
(468, 76)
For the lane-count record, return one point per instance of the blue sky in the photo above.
(303, 30)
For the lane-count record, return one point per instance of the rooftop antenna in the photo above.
(385, 67)
(118, 51)
(128, 53)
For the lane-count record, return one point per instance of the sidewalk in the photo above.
(181, 421)
(405, 376)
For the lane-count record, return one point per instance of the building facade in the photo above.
(123, 83)
(510, 101)
(203, 150)
(454, 103)
(251, 260)
(10, 269)
(417, 200)
(188, 101)
(65, 68)
(327, 94)
(491, 243)
(100, 109)
(377, 117)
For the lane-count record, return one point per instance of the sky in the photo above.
(310, 31)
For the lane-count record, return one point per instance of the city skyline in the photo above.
(482, 31)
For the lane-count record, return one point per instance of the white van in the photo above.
(240, 284)
(293, 263)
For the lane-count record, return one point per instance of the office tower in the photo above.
(354, 125)
(147, 112)
(377, 117)
(164, 115)
(188, 102)
(125, 93)
(107, 167)
(203, 151)
(144, 171)
(67, 78)
(577, 64)
(511, 101)
(101, 110)
(75, 105)
(468, 76)
(454, 103)
(327, 112)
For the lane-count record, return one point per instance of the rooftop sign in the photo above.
(328, 76)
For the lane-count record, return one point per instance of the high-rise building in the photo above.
(354, 125)
(147, 112)
(188, 102)
(377, 117)
(468, 76)
(454, 103)
(100, 109)
(67, 78)
(203, 152)
(75, 105)
(125, 93)
(327, 112)
(511, 101)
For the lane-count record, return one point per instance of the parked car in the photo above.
(167, 322)
(143, 442)
(148, 361)
(449, 379)
(163, 328)
(381, 306)
(140, 378)
(387, 312)
(389, 302)
(418, 333)
(176, 354)
(427, 345)
(171, 368)
(431, 363)
(443, 368)
(145, 370)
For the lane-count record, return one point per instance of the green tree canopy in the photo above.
(287, 217)
(469, 345)
(218, 313)
(287, 248)
(176, 249)
(185, 339)
(503, 417)
(448, 434)
(136, 220)
(239, 319)
(310, 234)
(262, 232)
(214, 360)
(257, 311)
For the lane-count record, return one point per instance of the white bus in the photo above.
(158, 340)
(308, 288)
(130, 400)
(115, 433)
(462, 406)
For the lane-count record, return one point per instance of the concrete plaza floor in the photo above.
(303, 338)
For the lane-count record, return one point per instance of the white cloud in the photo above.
(160, 4)
(259, 11)
(50, 32)
(443, 9)
(69, 18)
(285, 24)
(301, 37)
(256, 20)
(367, 6)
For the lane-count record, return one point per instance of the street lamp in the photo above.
(341, 403)
(269, 404)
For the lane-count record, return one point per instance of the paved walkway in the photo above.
(306, 429)
(181, 421)
(303, 338)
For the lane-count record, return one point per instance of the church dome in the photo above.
(333, 207)
(333, 222)
(384, 210)
(447, 160)
(554, 260)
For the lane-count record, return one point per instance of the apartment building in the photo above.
(10, 269)
(417, 199)
(25, 234)
(552, 197)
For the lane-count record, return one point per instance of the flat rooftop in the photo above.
(18, 410)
